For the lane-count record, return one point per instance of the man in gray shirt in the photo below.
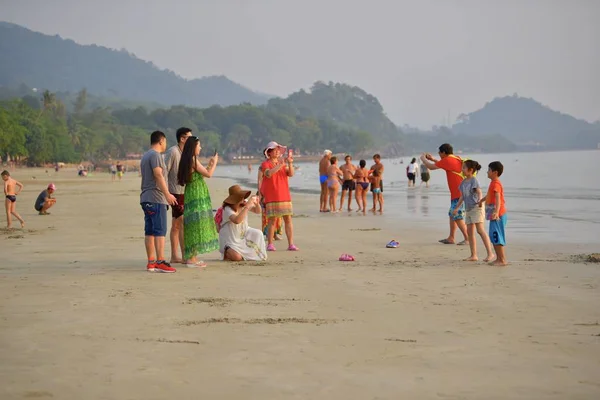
(172, 158)
(154, 199)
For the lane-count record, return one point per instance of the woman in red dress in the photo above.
(276, 192)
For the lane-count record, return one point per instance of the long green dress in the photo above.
(199, 230)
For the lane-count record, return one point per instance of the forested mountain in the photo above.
(527, 122)
(347, 105)
(61, 65)
(39, 130)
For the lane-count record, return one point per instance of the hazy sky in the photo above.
(423, 59)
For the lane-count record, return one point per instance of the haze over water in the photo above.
(550, 197)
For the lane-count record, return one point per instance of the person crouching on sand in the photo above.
(237, 241)
(276, 191)
(45, 200)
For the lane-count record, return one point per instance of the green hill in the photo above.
(347, 105)
(529, 124)
(61, 65)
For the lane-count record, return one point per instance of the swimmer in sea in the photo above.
(362, 185)
(323, 166)
(334, 178)
(10, 202)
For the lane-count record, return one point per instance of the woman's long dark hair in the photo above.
(414, 160)
(188, 161)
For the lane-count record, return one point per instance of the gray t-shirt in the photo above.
(172, 158)
(468, 190)
(150, 191)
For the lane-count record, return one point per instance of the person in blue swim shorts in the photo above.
(323, 166)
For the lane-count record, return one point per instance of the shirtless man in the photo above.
(348, 185)
(323, 166)
(11, 192)
(378, 166)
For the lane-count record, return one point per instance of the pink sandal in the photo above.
(346, 257)
(270, 247)
(293, 248)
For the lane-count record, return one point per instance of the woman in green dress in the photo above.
(199, 230)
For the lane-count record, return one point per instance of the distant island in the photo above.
(76, 102)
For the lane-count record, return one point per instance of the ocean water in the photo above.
(550, 197)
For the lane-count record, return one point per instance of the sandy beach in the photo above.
(82, 319)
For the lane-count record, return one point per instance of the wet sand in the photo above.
(80, 317)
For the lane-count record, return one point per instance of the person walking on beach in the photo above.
(237, 241)
(362, 186)
(323, 166)
(276, 191)
(471, 196)
(495, 210)
(10, 202)
(348, 184)
(199, 230)
(264, 219)
(154, 198)
(424, 175)
(113, 172)
(45, 200)
(120, 170)
(172, 159)
(411, 172)
(453, 166)
(378, 166)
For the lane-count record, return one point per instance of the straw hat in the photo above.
(236, 194)
(274, 145)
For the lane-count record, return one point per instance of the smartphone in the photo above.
(290, 153)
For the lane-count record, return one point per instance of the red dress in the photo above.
(276, 191)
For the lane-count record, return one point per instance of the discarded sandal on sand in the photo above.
(393, 244)
(346, 257)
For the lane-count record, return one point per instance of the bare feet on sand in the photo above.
(499, 264)
(489, 259)
(471, 259)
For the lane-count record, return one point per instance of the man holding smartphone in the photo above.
(172, 158)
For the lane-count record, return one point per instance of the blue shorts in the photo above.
(323, 179)
(155, 219)
(377, 190)
(497, 231)
(461, 211)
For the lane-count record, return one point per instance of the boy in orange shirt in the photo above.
(495, 212)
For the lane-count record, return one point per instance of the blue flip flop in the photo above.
(392, 244)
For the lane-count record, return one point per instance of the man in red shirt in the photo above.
(453, 166)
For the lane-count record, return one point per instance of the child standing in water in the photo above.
(471, 195)
(495, 212)
(376, 188)
(10, 202)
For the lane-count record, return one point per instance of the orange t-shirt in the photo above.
(490, 198)
(453, 167)
(276, 188)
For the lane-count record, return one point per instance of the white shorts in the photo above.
(475, 215)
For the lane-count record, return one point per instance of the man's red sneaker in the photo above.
(151, 266)
(163, 266)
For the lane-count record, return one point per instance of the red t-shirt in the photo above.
(275, 188)
(490, 199)
(453, 167)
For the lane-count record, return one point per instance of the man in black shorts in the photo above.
(172, 158)
(349, 184)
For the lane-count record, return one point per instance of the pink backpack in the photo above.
(219, 218)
